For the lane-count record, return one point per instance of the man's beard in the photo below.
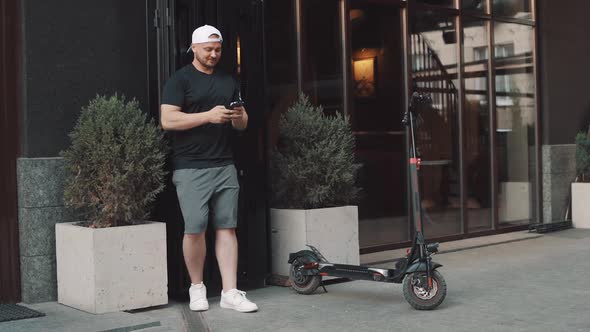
(205, 63)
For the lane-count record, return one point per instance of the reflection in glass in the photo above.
(281, 61)
(475, 5)
(376, 110)
(515, 125)
(477, 125)
(520, 9)
(322, 53)
(434, 71)
(445, 3)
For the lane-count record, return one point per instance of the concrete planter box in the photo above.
(111, 269)
(581, 205)
(334, 231)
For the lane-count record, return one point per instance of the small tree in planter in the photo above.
(313, 164)
(581, 190)
(313, 186)
(116, 163)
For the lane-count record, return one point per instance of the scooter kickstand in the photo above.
(324, 287)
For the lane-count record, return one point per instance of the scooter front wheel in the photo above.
(300, 282)
(416, 290)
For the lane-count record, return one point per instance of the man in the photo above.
(194, 109)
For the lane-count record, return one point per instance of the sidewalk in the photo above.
(65, 319)
(509, 282)
(538, 284)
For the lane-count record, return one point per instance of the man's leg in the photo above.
(194, 249)
(224, 204)
(226, 250)
(193, 197)
(225, 216)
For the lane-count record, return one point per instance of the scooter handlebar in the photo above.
(417, 101)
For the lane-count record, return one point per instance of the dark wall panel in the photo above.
(75, 50)
(564, 68)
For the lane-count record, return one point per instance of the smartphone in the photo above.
(237, 103)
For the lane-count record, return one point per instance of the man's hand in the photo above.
(239, 118)
(219, 114)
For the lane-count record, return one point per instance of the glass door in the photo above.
(477, 128)
(515, 123)
(434, 64)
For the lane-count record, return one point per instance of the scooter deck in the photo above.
(357, 272)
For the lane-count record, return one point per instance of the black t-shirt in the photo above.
(208, 145)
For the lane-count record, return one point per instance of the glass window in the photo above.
(515, 122)
(445, 3)
(281, 61)
(478, 171)
(475, 5)
(520, 9)
(502, 82)
(377, 105)
(321, 48)
(434, 71)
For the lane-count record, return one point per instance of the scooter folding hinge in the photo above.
(432, 247)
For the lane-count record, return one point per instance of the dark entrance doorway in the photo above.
(241, 24)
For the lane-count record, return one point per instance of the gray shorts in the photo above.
(201, 191)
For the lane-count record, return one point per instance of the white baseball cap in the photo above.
(203, 34)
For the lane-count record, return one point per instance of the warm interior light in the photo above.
(239, 54)
(356, 14)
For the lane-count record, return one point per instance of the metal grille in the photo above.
(15, 312)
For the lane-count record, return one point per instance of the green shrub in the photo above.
(116, 163)
(583, 154)
(313, 163)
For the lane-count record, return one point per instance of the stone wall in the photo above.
(559, 171)
(40, 207)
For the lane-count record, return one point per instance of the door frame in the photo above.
(10, 49)
(168, 44)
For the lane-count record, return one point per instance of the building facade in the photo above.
(505, 76)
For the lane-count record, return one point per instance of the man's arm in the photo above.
(172, 117)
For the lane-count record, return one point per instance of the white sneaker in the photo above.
(198, 297)
(236, 299)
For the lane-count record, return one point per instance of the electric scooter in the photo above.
(423, 286)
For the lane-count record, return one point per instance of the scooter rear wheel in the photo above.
(416, 294)
(302, 283)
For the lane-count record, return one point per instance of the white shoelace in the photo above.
(240, 294)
